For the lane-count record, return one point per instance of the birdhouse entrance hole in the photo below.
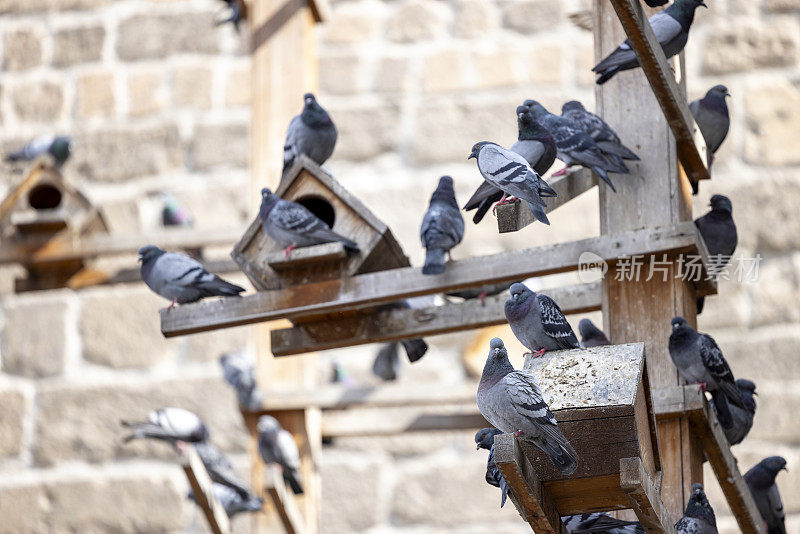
(44, 197)
(319, 207)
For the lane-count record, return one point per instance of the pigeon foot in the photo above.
(702, 386)
(288, 251)
(482, 297)
(507, 199)
(172, 305)
(517, 433)
(538, 354)
(563, 171)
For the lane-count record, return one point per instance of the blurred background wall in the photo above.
(158, 100)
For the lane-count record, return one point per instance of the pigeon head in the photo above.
(774, 464)
(721, 202)
(746, 385)
(519, 292)
(519, 302)
(313, 114)
(698, 502)
(537, 109)
(683, 11)
(149, 253)
(476, 148)
(679, 323)
(572, 105)
(61, 148)
(522, 112)
(497, 350)
(268, 425)
(588, 329)
(485, 438)
(444, 192)
(718, 91)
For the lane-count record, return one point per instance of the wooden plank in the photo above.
(585, 495)
(396, 284)
(201, 485)
(690, 143)
(517, 215)
(392, 325)
(325, 253)
(644, 497)
(283, 501)
(537, 506)
(399, 420)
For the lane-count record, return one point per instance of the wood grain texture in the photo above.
(200, 482)
(644, 497)
(283, 500)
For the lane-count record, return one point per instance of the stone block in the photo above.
(354, 22)
(78, 45)
(95, 95)
(782, 6)
(772, 115)
(24, 509)
(340, 74)
(767, 353)
(145, 92)
(775, 296)
(41, 101)
(532, 15)
(352, 484)
(444, 71)
(22, 49)
(775, 413)
(34, 6)
(208, 347)
(474, 18)
(120, 328)
(774, 231)
(365, 129)
(748, 43)
(220, 144)
(418, 20)
(82, 422)
(191, 87)
(546, 65)
(493, 69)
(158, 36)
(35, 335)
(392, 75)
(237, 90)
(12, 414)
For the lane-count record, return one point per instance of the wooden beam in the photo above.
(283, 501)
(201, 485)
(690, 143)
(644, 497)
(536, 504)
(310, 300)
(517, 215)
(407, 323)
(395, 421)
(325, 253)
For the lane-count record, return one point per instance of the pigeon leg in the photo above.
(563, 171)
(517, 433)
(172, 305)
(507, 199)
(288, 250)
(449, 257)
(702, 386)
(482, 297)
(181, 446)
(538, 354)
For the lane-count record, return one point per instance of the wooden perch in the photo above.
(690, 143)
(325, 253)
(283, 500)
(201, 484)
(517, 215)
(334, 296)
(644, 497)
(394, 325)
(689, 402)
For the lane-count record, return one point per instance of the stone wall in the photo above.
(157, 99)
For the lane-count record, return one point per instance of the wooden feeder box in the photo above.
(601, 399)
(40, 215)
(264, 262)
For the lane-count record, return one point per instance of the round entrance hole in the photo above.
(319, 207)
(44, 197)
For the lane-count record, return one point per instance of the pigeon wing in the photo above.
(510, 172)
(296, 218)
(718, 368)
(526, 398)
(290, 147)
(555, 324)
(776, 511)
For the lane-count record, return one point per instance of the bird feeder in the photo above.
(265, 264)
(40, 214)
(601, 399)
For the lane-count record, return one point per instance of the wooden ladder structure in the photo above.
(650, 216)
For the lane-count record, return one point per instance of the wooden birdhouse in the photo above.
(601, 400)
(43, 213)
(265, 264)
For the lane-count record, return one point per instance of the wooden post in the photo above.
(652, 195)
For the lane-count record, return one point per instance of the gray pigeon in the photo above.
(742, 417)
(233, 15)
(240, 373)
(311, 133)
(711, 115)
(699, 516)
(292, 225)
(591, 336)
(575, 146)
(179, 278)
(700, 361)
(598, 129)
(534, 143)
(173, 214)
(220, 468)
(58, 147)
(597, 523)
(386, 365)
(671, 29)
(442, 227)
(485, 440)
(719, 233)
(511, 401)
(277, 446)
(511, 173)
(538, 322)
(231, 501)
(761, 481)
(174, 425)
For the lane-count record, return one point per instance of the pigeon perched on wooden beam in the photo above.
(442, 227)
(719, 234)
(700, 361)
(58, 147)
(173, 425)
(538, 322)
(239, 371)
(742, 417)
(512, 402)
(591, 336)
(598, 523)
(292, 225)
(277, 446)
(699, 516)
(311, 133)
(220, 469)
(231, 501)
(509, 172)
(712, 117)
(485, 440)
(386, 364)
(181, 279)
(598, 129)
(761, 481)
(671, 29)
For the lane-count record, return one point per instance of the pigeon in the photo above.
(538, 322)
(700, 361)
(231, 501)
(415, 348)
(480, 292)
(671, 29)
(512, 402)
(292, 225)
(442, 227)
(742, 417)
(240, 373)
(234, 14)
(174, 425)
(699, 516)
(485, 440)
(719, 233)
(179, 278)
(509, 172)
(591, 336)
(600, 524)
(761, 481)
(311, 133)
(711, 115)
(58, 147)
(219, 468)
(339, 375)
(576, 147)
(386, 365)
(534, 143)
(173, 214)
(598, 129)
(277, 446)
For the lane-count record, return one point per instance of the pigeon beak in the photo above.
(471, 156)
(704, 5)
(521, 115)
(140, 259)
(478, 447)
